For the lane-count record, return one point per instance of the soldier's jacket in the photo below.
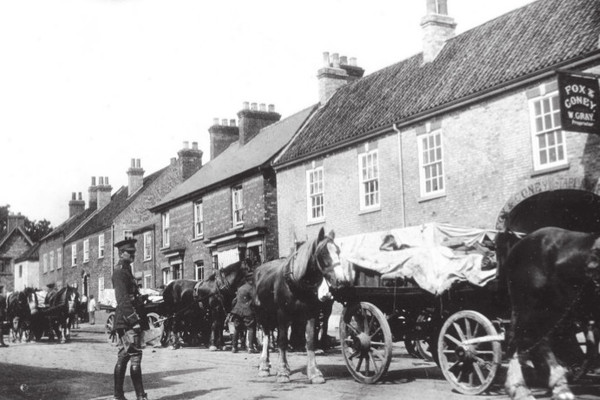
(127, 295)
(243, 304)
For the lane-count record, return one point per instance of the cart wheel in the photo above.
(578, 351)
(109, 329)
(366, 341)
(469, 367)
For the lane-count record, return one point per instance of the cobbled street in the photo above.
(82, 369)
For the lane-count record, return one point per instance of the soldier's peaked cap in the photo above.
(126, 245)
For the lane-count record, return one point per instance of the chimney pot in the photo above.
(73, 196)
(246, 105)
(224, 122)
(100, 180)
(271, 107)
(186, 144)
(253, 106)
(133, 163)
(336, 60)
(138, 163)
(326, 59)
(263, 107)
(232, 122)
(352, 61)
(106, 180)
(215, 121)
(80, 197)
(194, 145)
(343, 60)
(93, 181)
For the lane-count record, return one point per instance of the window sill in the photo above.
(431, 197)
(550, 170)
(147, 259)
(369, 210)
(197, 239)
(316, 221)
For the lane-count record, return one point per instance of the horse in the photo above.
(61, 310)
(286, 291)
(18, 314)
(2, 319)
(553, 281)
(205, 303)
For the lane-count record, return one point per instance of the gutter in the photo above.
(445, 108)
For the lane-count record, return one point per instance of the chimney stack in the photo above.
(336, 72)
(103, 191)
(190, 160)
(254, 119)
(223, 135)
(135, 176)
(93, 194)
(437, 27)
(13, 221)
(76, 206)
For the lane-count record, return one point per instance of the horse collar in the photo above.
(294, 282)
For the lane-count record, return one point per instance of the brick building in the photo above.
(83, 246)
(13, 245)
(466, 132)
(228, 209)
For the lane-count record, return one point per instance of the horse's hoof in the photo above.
(263, 373)
(283, 378)
(563, 393)
(212, 348)
(315, 380)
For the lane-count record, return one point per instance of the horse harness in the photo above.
(298, 283)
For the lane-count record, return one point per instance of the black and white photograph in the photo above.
(333, 199)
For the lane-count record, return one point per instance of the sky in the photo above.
(87, 85)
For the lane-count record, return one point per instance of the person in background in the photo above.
(130, 321)
(92, 309)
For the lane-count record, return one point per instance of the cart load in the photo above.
(432, 256)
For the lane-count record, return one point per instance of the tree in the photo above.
(3, 218)
(36, 230)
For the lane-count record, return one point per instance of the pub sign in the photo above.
(579, 102)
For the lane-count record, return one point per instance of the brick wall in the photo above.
(14, 247)
(487, 160)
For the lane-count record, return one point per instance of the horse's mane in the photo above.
(302, 256)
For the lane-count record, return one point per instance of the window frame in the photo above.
(147, 246)
(558, 134)
(165, 226)
(101, 245)
(58, 258)
(198, 219)
(86, 250)
(440, 178)
(315, 171)
(199, 270)
(45, 262)
(363, 159)
(74, 255)
(51, 260)
(237, 205)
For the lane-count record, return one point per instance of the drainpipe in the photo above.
(402, 187)
(112, 250)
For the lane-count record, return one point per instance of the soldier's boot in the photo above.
(119, 376)
(252, 340)
(136, 376)
(234, 340)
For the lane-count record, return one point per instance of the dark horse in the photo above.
(18, 313)
(188, 301)
(553, 281)
(60, 310)
(286, 291)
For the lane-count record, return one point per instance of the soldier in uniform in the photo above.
(130, 321)
(243, 317)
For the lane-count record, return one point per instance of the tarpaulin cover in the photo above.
(438, 255)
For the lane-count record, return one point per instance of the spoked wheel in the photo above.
(109, 329)
(366, 341)
(156, 330)
(469, 352)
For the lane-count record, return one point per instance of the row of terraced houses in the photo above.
(465, 132)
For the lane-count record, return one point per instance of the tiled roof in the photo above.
(237, 159)
(515, 45)
(71, 223)
(13, 231)
(119, 201)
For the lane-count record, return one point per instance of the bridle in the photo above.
(299, 283)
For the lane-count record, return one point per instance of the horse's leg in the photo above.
(264, 365)
(557, 381)
(283, 368)
(515, 385)
(312, 371)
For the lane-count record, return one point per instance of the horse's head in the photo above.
(504, 242)
(72, 299)
(31, 299)
(327, 257)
